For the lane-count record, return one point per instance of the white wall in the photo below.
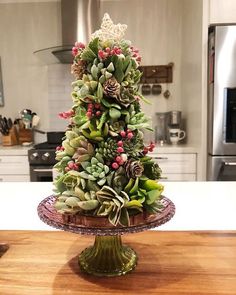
(191, 67)
(222, 11)
(24, 28)
(155, 27)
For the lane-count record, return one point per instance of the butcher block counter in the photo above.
(194, 253)
(191, 263)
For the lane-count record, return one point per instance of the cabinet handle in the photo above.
(1, 179)
(0, 160)
(42, 170)
(164, 177)
(161, 158)
(230, 163)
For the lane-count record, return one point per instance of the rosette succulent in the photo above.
(69, 202)
(95, 170)
(113, 206)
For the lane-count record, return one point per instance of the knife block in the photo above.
(25, 135)
(11, 138)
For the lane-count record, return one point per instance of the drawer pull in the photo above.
(164, 177)
(230, 163)
(161, 158)
(42, 170)
(1, 179)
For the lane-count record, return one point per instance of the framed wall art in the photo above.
(1, 87)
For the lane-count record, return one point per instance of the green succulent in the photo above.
(95, 133)
(116, 127)
(95, 170)
(134, 146)
(107, 149)
(151, 168)
(117, 179)
(126, 97)
(146, 191)
(138, 121)
(113, 206)
(66, 181)
(84, 149)
(69, 202)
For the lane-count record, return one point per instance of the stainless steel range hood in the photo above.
(79, 19)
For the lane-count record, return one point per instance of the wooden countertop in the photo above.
(191, 263)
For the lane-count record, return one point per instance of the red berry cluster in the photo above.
(135, 54)
(120, 159)
(60, 148)
(66, 115)
(77, 48)
(149, 148)
(94, 110)
(71, 166)
(103, 54)
(127, 134)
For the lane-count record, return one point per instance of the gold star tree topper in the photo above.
(109, 31)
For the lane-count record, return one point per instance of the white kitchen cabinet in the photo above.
(14, 165)
(177, 167)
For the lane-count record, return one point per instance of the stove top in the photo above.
(43, 154)
(46, 146)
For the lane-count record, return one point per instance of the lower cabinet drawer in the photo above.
(14, 165)
(176, 163)
(178, 177)
(12, 177)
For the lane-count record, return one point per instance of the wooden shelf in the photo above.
(157, 74)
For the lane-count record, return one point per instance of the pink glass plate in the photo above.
(50, 216)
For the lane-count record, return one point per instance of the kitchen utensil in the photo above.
(4, 126)
(9, 123)
(175, 119)
(161, 127)
(35, 121)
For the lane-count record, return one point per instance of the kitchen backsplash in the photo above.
(59, 94)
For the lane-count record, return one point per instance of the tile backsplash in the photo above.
(59, 94)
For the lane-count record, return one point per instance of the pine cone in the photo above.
(133, 168)
(111, 88)
(78, 69)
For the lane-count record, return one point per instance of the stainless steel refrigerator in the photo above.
(221, 163)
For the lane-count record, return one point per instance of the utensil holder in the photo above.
(25, 135)
(11, 138)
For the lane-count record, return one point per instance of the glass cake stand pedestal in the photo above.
(108, 256)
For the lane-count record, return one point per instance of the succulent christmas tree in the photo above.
(103, 165)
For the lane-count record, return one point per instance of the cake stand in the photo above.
(108, 256)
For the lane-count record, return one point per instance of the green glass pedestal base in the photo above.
(108, 257)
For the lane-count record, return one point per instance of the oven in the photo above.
(42, 157)
(41, 173)
(41, 160)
